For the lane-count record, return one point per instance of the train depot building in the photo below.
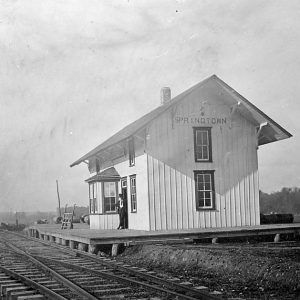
(190, 163)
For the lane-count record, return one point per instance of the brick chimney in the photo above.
(165, 95)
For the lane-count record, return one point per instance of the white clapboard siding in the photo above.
(170, 160)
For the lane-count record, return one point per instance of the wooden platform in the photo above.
(82, 234)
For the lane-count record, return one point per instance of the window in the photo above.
(205, 189)
(110, 196)
(93, 198)
(131, 152)
(133, 193)
(202, 144)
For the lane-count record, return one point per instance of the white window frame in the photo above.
(204, 189)
(93, 198)
(110, 196)
(133, 197)
(199, 133)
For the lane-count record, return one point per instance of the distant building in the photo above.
(189, 163)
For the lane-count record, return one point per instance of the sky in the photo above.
(74, 72)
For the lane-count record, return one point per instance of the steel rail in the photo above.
(116, 277)
(151, 278)
(200, 294)
(62, 279)
(36, 286)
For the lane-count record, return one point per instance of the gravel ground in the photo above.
(239, 271)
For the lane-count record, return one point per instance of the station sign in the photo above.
(191, 120)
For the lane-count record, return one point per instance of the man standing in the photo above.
(121, 211)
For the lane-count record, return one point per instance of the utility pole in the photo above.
(58, 198)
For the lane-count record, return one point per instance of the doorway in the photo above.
(124, 194)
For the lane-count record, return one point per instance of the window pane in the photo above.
(201, 199)
(205, 138)
(91, 206)
(109, 189)
(199, 152)
(207, 195)
(198, 138)
(208, 202)
(95, 205)
(207, 178)
(94, 190)
(113, 206)
(200, 186)
(107, 207)
(200, 177)
(205, 152)
(207, 187)
(91, 191)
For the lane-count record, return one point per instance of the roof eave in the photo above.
(247, 102)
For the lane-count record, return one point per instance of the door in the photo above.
(124, 194)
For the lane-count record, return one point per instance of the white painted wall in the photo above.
(171, 164)
(138, 219)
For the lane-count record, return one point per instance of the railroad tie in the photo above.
(16, 295)
(31, 297)
(10, 290)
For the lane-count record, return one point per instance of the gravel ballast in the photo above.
(245, 271)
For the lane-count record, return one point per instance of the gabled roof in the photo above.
(109, 174)
(270, 133)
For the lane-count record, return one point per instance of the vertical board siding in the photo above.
(151, 193)
(185, 212)
(168, 197)
(178, 199)
(157, 199)
(171, 164)
(162, 195)
(104, 221)
(191, 205)
(242, 158)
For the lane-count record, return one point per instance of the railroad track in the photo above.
(43, 270)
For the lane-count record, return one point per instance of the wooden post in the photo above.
(277, 238)
(214, 240)
(65, 242)
(93, 249)
(72, 244)
(82, 247)
(115, 249)
(58, 198)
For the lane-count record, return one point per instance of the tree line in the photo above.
(285, 201)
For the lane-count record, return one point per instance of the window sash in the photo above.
(202, 144)
(133, 197)
(205, 190)
(93, 198)
(109, 196)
